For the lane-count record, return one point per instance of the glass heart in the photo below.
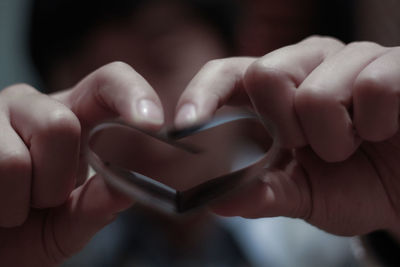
(178, 171)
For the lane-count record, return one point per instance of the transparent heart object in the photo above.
(180, 170)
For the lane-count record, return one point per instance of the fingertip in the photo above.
(272, 92)
(148, 114)
(115, 90)
(89, 208)
(250, 202)
(101, 199)
(275, 193)
(186, 116)
(218, 83)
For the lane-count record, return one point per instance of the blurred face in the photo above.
(271, 24)
(167, 45)
(163, 41)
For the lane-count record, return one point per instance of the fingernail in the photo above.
(187, 116)
(150, 111)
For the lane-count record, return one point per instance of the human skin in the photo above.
(354, 194)
(334, 111)
(42, 146)
(167, 52)
(42, 163)
(341, 166)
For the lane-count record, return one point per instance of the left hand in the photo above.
(48, 210)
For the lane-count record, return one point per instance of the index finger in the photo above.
(114, 90)
(268, 84)
(216, 84)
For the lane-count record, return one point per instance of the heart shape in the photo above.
(122, 154)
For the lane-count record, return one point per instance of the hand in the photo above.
(334, 108)
(47, 209)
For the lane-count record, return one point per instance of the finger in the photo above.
(52, 133)
(15, 177)
(348, 198)
(52, 236)
(345, 198)
(283, 192)
(323, 100)
(216, 84)
(271, 83)
(114, 90)
(89, 209)
(376, 98)
(111, 91)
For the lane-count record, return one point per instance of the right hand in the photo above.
(334, 107)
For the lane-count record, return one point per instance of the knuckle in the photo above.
(217, 66)
(222, 66)
(60, 120)
(364, 45)
(106, 77)
(268, 63)
(264, 71)
(255, 73)
(232, 66)
(313, 99)
(372, 84)
(14, 162)
(114, 68)
(321, 39)
(256, 68)
(18, 89)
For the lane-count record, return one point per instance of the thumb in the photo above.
(90, 207)
(278, 192)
